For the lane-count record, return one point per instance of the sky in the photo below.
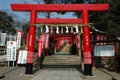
(5, 6)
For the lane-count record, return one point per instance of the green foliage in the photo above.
(73, 49)
(22, 47)
(99, 21)
(113, 17)
(51, 45)
(58, 2)
(36, 47)
(25, 28)
(118, 53)
(108, 21)
(6, 23)
(63, 1)
(51, 50)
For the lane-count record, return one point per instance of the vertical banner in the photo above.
(11, 51)
(19, 33)
(47, 41)
(22, 57)
(43, 36)
(40, 44)
(2, 39)
(78, 41)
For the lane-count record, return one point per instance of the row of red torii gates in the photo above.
(84, 8)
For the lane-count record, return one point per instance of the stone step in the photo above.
(62, 60)
(71, 58)
(62, 63)
(66, 48)
(62, 57)
(62, 66)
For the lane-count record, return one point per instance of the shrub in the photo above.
(73, 49)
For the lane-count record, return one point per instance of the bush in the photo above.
(22, 47)
(73, 49)
(51, 50)
(36, 47)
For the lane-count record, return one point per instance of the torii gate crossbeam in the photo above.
(59, 7)
(84, 8)
(59, 21)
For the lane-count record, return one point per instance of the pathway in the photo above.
(58, 74)
(2, 58)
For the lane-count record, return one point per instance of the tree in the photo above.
(48, 14)
(6, 23)
(108, 21)
(58, 1)
(25, 28)
(113, 17)
(104, 21)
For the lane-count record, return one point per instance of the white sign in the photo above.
(11, 51)
(104, 50)
(2, 39)
(22, 57)
(18, 39)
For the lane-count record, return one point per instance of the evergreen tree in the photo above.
(107, 21)
(113, 17)
(59, 1)
(6, 23)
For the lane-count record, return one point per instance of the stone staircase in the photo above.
(66, 48)
(62, 60)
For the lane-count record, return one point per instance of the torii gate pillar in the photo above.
(86, 44)
(31, 41)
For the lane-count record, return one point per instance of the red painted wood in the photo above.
(59, 7)
(41, 44)
(59, 21)
(31, 37)
(85, 8)
(86, 39)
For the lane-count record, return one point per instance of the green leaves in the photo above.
(113, 16)
(6, 22)
(108, 21)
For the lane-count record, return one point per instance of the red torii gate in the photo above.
(84, 8)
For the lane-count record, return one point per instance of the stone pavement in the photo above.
(104, 74)
(58, 74)
(2, 58)
(17, 73)
(14, 73)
